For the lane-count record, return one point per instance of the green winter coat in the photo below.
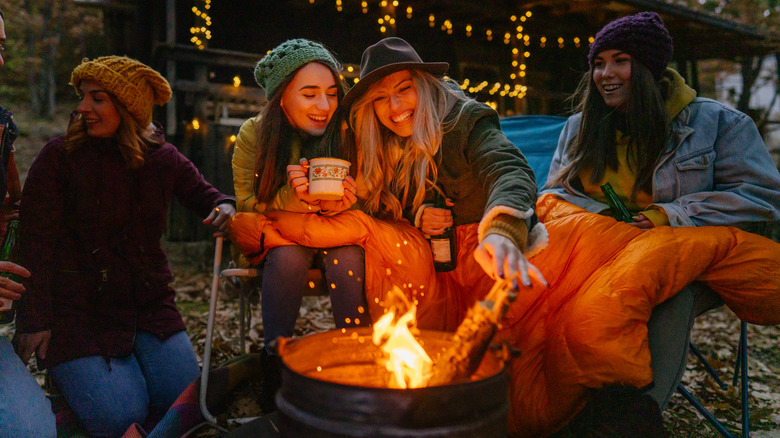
(485, 175)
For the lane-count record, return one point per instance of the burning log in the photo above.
(473, 336)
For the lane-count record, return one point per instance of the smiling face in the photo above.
(98, 111)
(395, 102)
(311, 98)
(612, 76)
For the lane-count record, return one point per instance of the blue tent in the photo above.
(537, 137)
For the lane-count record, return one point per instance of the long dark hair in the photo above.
(645, 121)
(273, 136)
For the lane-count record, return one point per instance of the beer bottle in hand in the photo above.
(619, 210)
(7, 254)
(443, 245)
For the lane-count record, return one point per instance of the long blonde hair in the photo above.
(393, 185)
(131, 138)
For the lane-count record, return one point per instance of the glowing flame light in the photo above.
(408, 363)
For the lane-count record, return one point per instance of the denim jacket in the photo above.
(716, 170)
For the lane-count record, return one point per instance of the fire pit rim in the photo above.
(284, 343)
(319, 403)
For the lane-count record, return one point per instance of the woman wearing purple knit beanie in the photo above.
(672, 158)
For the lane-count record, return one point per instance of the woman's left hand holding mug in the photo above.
(346, 201)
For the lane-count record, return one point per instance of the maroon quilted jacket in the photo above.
(91, 231)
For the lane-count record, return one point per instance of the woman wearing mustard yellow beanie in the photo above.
(99, 312)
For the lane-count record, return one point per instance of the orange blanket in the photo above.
(589, 327)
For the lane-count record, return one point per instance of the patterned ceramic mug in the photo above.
(325, 177)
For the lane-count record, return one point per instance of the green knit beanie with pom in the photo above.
(288, 57)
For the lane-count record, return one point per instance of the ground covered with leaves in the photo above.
(716, 334)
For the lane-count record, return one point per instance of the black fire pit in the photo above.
(332, 386)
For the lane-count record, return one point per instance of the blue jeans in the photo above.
(108, 397)
(284, 283)
(24, 409)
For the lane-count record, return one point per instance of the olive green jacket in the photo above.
(244, 155)
(486, 176)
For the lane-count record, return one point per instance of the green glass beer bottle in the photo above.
(7, 253)
(619, 210)
(443, 245)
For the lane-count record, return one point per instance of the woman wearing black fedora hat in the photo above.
(417, 135)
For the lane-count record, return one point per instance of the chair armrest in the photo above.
(239, 272)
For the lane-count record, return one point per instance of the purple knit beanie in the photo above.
(643, 36)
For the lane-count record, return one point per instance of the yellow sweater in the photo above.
(622, 178)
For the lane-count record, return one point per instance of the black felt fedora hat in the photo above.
(386, 57)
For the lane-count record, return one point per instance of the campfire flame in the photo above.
(409, 364)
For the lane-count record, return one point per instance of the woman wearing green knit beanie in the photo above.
(302, 83)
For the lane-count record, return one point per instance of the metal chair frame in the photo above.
(217, 274)
(740, 372)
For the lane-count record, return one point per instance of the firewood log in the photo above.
(473, 336)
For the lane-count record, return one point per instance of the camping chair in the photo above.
(245, 290)
(696, 299)
(740, 370)
(669, 333)
(669, 327)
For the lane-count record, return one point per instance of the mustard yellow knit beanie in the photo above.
(137, 86)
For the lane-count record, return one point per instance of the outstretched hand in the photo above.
(500, 258)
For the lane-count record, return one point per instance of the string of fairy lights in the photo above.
(388, 11)
(512, 34)
(200, 31)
